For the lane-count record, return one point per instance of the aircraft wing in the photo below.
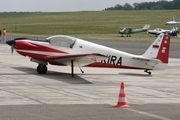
(128, 27)
(83, 59)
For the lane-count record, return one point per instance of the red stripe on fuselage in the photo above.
(105, 65)
(26, 45)
(29, 46)
(33, 55)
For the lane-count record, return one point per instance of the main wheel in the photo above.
(41, 69)
(149, 73)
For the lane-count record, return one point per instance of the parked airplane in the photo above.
(132, 30)
(158, 31)
(173, 32)
(172, 23)
(64, 50)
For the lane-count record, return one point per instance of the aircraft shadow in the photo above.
(135, 74)
(58, 76)
(128, 74)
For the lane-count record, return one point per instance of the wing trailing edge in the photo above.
(80, 58)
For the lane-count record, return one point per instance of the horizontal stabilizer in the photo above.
(147, 59)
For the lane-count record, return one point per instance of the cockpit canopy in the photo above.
(158, 29)
(62, 41)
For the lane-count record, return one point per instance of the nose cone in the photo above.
(10, 42)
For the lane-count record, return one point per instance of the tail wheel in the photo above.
(147, 71)
(41, 69)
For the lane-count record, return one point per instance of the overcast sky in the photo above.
(61, 5)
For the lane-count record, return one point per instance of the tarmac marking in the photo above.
(64, 92)
(23, 96)
(148, 114)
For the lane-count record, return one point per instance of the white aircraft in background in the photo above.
(173, 32)
(158, 31)
(64, 50)
(172, 23)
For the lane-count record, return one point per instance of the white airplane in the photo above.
(172, 23)
(64, 50)
(158, 31)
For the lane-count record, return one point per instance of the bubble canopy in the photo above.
(62, 40)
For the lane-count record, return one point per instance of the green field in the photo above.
(86, 24)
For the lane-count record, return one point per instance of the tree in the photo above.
(127, 6)
(159, 5)
(176, 4)
(118, 7)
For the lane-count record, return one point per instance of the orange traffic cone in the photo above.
(122, 98)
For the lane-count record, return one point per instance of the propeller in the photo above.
(12, 49)
(11, 43)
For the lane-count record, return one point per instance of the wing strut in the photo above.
(72, 68)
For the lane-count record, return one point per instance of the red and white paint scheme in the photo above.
(65, 50)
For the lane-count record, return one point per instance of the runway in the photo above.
(24, 94)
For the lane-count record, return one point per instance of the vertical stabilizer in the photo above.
(146, 27)
(159, 49)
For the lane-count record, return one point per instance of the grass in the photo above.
(87, 24)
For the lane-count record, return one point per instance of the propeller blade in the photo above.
(11, 43)
(12, 49)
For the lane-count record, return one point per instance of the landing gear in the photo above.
(147, 71)
(128, 35)
(41, 69)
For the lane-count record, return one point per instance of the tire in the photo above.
(41, 69)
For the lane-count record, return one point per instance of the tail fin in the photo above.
(159, 49)
(146, 27)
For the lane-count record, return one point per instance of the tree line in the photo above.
(159, 5)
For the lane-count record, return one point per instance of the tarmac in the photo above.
(24, 94)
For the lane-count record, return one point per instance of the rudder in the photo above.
(146, 27)
(159, 49)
